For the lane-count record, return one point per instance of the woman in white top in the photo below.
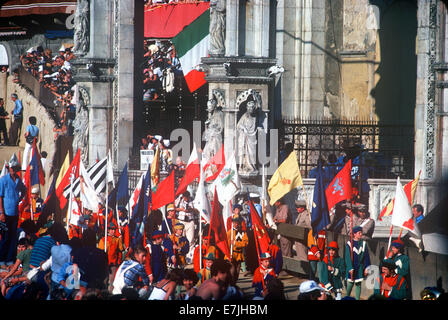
(165, 288)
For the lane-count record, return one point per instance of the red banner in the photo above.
(167, 20)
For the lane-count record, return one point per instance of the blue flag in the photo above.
(37, 175)
(320, 217)
(120, 194)
(140, 212)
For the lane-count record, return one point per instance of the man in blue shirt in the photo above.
(417, 210)
(32, 132)
(16, 126)
(12, 190)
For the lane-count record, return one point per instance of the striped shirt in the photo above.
(132, 276)
(41, 250)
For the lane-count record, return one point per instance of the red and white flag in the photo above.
(341, 187)
(134, 196)
(402, 216)
(192, 171)
(72, 172)
(214, 166)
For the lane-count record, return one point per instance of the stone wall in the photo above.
(32, 107)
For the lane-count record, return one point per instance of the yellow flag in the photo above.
(63, 170)
(286, 178)
(155, 167)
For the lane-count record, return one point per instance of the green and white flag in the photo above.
(191, 45)
(228, 182)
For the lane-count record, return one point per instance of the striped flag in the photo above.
(191, 45)
(97, 174)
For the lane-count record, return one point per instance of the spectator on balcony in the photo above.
(16, 126)
(3, 116)
(32, 132)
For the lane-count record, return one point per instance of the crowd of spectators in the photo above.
(54, 73)
(161, 69)
(167, 163)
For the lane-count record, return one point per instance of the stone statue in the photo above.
(213, 129)
(217, 27)
(81, 126)
(81, 35)
(247, 130)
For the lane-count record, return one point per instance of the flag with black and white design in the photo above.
(97, 174)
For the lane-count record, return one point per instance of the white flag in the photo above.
(228, 182)
(75, 214)
(4, 170)
(402, 216)
(88, 195)
(201, 202)
(110, 170)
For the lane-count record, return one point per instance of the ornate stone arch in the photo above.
(244, 96)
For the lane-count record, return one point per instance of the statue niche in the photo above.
(247, 128)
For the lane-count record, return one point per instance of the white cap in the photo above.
(13, 162)
(254, 195)
(158, 137)
(35, 190)
(308, 286)
(166, 142)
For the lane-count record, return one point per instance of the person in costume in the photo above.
(400, 260)
(316, 250)
(205, 273)
(114, 251)
(177, 247)
(357, 259)
(167, 226)
(156, 264)
(35, 206)
(390, 284)
(238, 241)
(276, 254)
(262, 274)
(331, 270)
(123, 226)
(206, 249)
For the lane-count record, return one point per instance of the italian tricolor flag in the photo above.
(191, 45)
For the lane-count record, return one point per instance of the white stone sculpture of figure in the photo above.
(81, 132)
(213, 129)
(247, 140)
(217, 27)
(81, 35)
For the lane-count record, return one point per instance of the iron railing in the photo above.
(386, 150)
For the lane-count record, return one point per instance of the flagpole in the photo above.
(69, 212)
(231, 232)
(351, 242)
(258, 254)
(390, 239)
(107, 207)
(263, 194)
